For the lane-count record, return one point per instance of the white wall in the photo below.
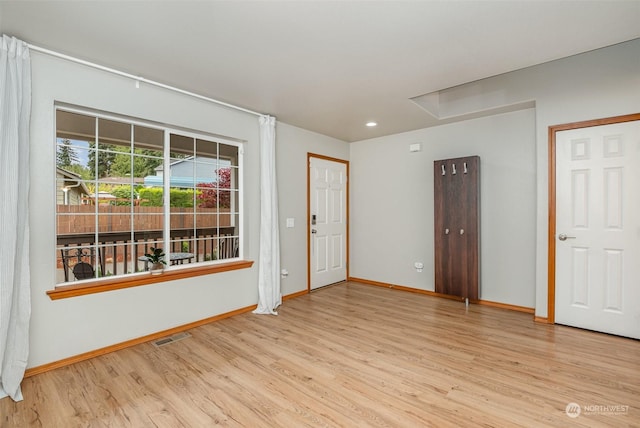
(600, 84)
(597, 84)
(291, 150)
(392, 204)
(68, 327)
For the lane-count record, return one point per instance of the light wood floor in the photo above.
(347, 356)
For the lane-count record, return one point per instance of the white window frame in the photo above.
(168, 130)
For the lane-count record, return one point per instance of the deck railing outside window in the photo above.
(117, 254)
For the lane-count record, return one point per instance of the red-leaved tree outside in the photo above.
(209, 195)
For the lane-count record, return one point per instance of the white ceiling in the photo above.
(321, 65)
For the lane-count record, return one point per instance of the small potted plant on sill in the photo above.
(156, 258)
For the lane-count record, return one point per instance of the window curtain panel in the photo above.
(15, 298)
(269, 295)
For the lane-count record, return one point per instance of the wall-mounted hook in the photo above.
(465, 168)
(443, 172)
(453, 169)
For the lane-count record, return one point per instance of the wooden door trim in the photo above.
(551, 235)
(332, 159)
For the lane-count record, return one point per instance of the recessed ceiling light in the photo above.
(371, 124)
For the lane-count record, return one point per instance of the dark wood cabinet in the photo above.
(457, 226)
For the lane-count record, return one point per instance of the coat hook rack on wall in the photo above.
(456, 213)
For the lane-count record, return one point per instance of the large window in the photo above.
(124, 186)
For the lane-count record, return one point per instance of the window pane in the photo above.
(206, 148)
(184, 245)
(181, 222)
(206, 248)
(148, 153)
(72, 156)
(148, 221)
(151, 196)
(143, 248)
(112, 133)
(112, 257)
(146, 166)
(76, 262)
(114, 223)
(233, 178)
(181, 146)
(111, 203)
(228, 247)
(229, 153)
(74, 126)
(148, 140)
(207, 220)
(73, 220)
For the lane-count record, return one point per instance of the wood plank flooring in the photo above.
(350, 355)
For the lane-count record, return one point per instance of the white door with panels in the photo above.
(328, 222)
(598, 228)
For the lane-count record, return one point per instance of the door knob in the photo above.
(314, 231)
(564, 237)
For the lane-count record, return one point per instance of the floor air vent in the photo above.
(170, 339)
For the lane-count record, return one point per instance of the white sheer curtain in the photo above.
(269, 296)
(15, 298)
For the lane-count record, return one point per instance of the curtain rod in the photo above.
(139, 78)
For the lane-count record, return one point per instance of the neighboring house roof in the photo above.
(160, 167)
(198, 159)
(156, 180)
(103, 195)
(72, 176)
(181, 172)
(122, 180)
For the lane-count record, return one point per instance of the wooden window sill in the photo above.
(109, 284)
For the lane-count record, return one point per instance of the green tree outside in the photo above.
(105, 160)
(66, 155)
(143, 164)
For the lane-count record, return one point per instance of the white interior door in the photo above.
(328, 217)
(598, 228)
